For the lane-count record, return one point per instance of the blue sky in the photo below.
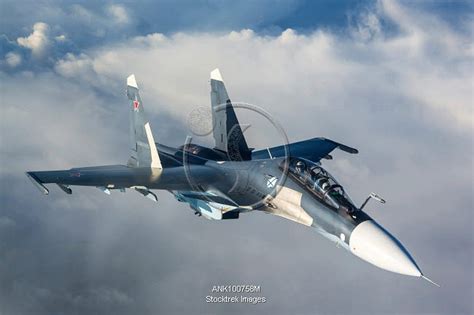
(391, 78)
(85, 25)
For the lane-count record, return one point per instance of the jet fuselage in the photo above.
(222, 182)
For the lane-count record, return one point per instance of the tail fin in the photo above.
(227, 132)
(144, 152)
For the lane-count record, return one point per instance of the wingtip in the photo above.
(38, 184)
(131, 81)
(216, 75)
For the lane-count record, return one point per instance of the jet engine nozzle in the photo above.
(374, 244)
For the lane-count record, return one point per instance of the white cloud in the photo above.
(118, 13)
(60, 38)
(37, 41)
(367, 26)
(404, 100)
(101, 22)
(72, 65)
(242, 35)
(83, 14)
(13, 59)
(48, 98)
(100, 296)
(411, 70)
(150, 39)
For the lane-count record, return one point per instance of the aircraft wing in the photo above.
(144, 169)
(312, 149)
(122, 176)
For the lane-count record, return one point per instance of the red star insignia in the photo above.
(136, 104)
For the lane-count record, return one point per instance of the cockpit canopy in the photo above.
(317, 180)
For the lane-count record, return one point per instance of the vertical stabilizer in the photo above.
(144, 152)
(227, 131)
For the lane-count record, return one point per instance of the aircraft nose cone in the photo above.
(375, 245)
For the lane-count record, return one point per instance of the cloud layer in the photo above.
(396, 84)
(37, 41)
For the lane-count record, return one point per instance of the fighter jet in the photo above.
(223, 182)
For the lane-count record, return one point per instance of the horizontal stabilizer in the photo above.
(346, 148)
(312, 149)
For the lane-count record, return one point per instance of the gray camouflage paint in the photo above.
(218, 183)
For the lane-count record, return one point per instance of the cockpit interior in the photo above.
(320, 182)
